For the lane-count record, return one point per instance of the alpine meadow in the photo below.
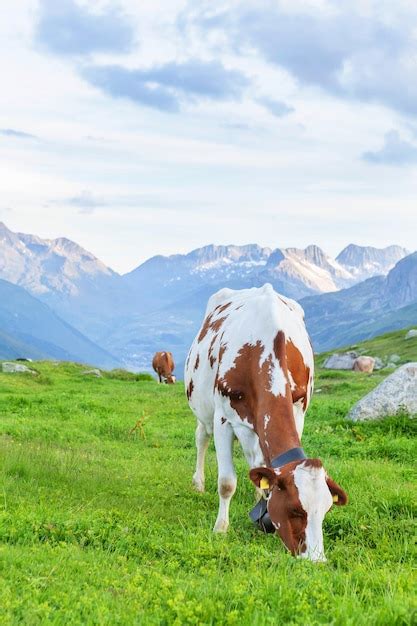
(100, 523)
(208, 313)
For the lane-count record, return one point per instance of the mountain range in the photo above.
(372, 307)
(160, 304)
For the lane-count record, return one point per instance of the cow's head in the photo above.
(170, 379)
(299, 496)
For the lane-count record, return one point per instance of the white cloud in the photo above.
(149, 182)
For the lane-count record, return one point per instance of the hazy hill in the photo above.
(29, 328)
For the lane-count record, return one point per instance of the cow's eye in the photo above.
(236, 395)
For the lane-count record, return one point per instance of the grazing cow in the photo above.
(249, 374)
(163, 364)
(364, 364)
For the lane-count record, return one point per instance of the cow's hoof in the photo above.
(198, 485)
(221, 527)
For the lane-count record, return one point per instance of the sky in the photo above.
(155, 127)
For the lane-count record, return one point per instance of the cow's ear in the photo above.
(339, 496)
(263, 477)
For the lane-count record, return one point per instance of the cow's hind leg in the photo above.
(223, 440)
(202, 439)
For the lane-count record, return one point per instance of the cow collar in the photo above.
(259, 514)
(295, 454)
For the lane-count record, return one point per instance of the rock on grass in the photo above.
(16, 368)
(396, 394)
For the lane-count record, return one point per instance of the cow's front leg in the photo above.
(223, 440)
(202, 439)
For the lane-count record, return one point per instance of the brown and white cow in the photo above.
(249, 374)
(163, 364)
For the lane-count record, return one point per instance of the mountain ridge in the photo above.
(376, 304)
(31, 329)
(161, 301)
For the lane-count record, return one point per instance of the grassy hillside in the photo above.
(383, 346)
(99, 524)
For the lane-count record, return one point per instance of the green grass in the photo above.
(99, 524)
(383, 347)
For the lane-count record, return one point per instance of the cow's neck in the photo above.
(276, 429)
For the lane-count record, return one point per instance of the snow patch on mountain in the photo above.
(47, 265)
(363, 262)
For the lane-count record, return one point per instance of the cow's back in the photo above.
(163, 363)
(234, 319)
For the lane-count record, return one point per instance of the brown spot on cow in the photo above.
(227, 489)
(205, 328)
(222, 350)
(190, 389)
(293, 365)
(215, 326)
(197, 362)
(316, 463)
(249, 388)
(209, 324)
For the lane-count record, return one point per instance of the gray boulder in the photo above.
(394, 358)
(16, 368)
(364, 364)
(398, 392)
(342, 361)
(411, 333)
(379, 363)
(93, 372)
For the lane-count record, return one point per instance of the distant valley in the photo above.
(124, 319)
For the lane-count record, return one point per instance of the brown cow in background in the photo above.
(163, 364)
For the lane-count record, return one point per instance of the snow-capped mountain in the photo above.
(160, 304)
(177, 289)
(369, 308)
(47, 265)
(293, 271)
(363, 262)
(310, 267)
(77, 285)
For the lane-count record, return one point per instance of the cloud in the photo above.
(18, 134)
(276, 107)
(164, 87)
(66, 28)
(367, 56)
(85, 202)
(395, 151)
